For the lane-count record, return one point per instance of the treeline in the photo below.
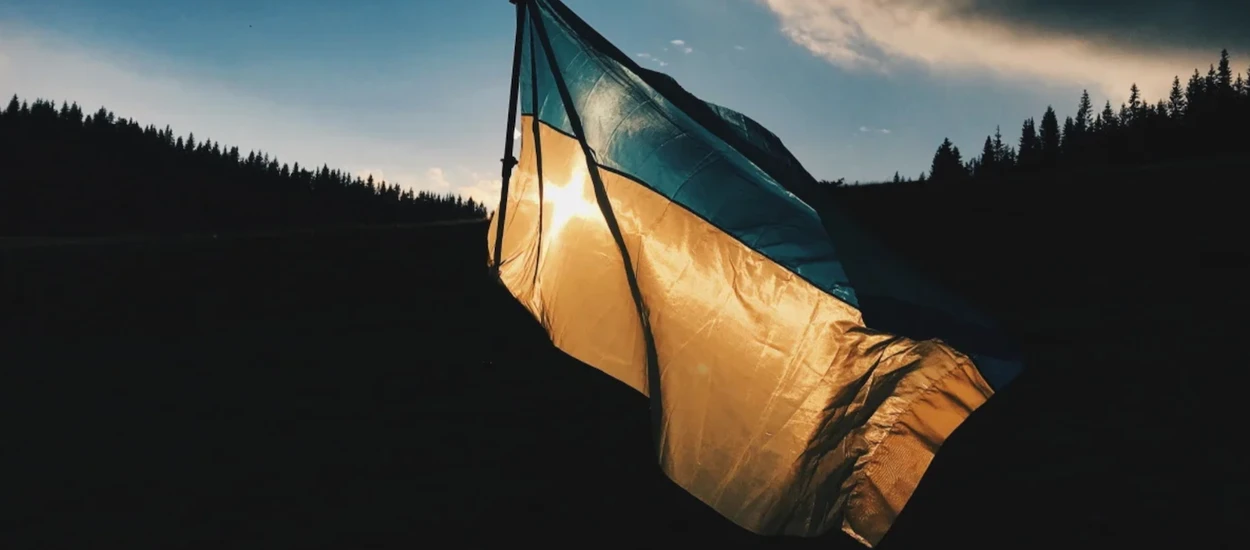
(1209, 115)
(66, 173)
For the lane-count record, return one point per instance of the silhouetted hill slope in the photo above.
(69, 174)
(371, 387)
(1133, 221)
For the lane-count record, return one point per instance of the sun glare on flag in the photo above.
(567, 201)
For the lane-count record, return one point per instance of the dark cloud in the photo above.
(1139, 25)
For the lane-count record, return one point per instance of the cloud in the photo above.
(484, 191)
(961, 37)
(364, 174)
(739, 48)
(37, 64)
(1151, 25)
(436, 180)
(868, 130)
(406, 179)
(657, 60)
(681, 45)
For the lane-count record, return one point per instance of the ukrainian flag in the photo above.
(799, 379)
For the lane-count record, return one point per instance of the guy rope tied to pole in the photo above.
(798, 383)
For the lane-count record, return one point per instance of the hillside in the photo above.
(372, 387)
(1126, 223)
(66, 173)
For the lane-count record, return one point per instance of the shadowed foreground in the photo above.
(372, 388)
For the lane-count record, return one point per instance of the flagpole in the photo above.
(508, 160)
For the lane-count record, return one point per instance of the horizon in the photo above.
(416, 95)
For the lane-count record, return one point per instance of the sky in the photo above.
(415, 91)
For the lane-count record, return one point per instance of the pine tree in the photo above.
(1109, 120)
(1000, 150)
(13, 107)
(1068, 137)
(1176, 100)
(896, 178)
(1224, 75)
(988, 162)
(1049, 138)
(1030, 147)
(1084, 114)
(1007, 161)
(1195, 91)
(939, 158)
(948, 164)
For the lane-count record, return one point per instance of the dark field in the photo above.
(371, 388)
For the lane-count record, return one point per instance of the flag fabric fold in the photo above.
(800, 381)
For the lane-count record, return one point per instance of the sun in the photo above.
(567, 201)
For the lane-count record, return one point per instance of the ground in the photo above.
(373, 388)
